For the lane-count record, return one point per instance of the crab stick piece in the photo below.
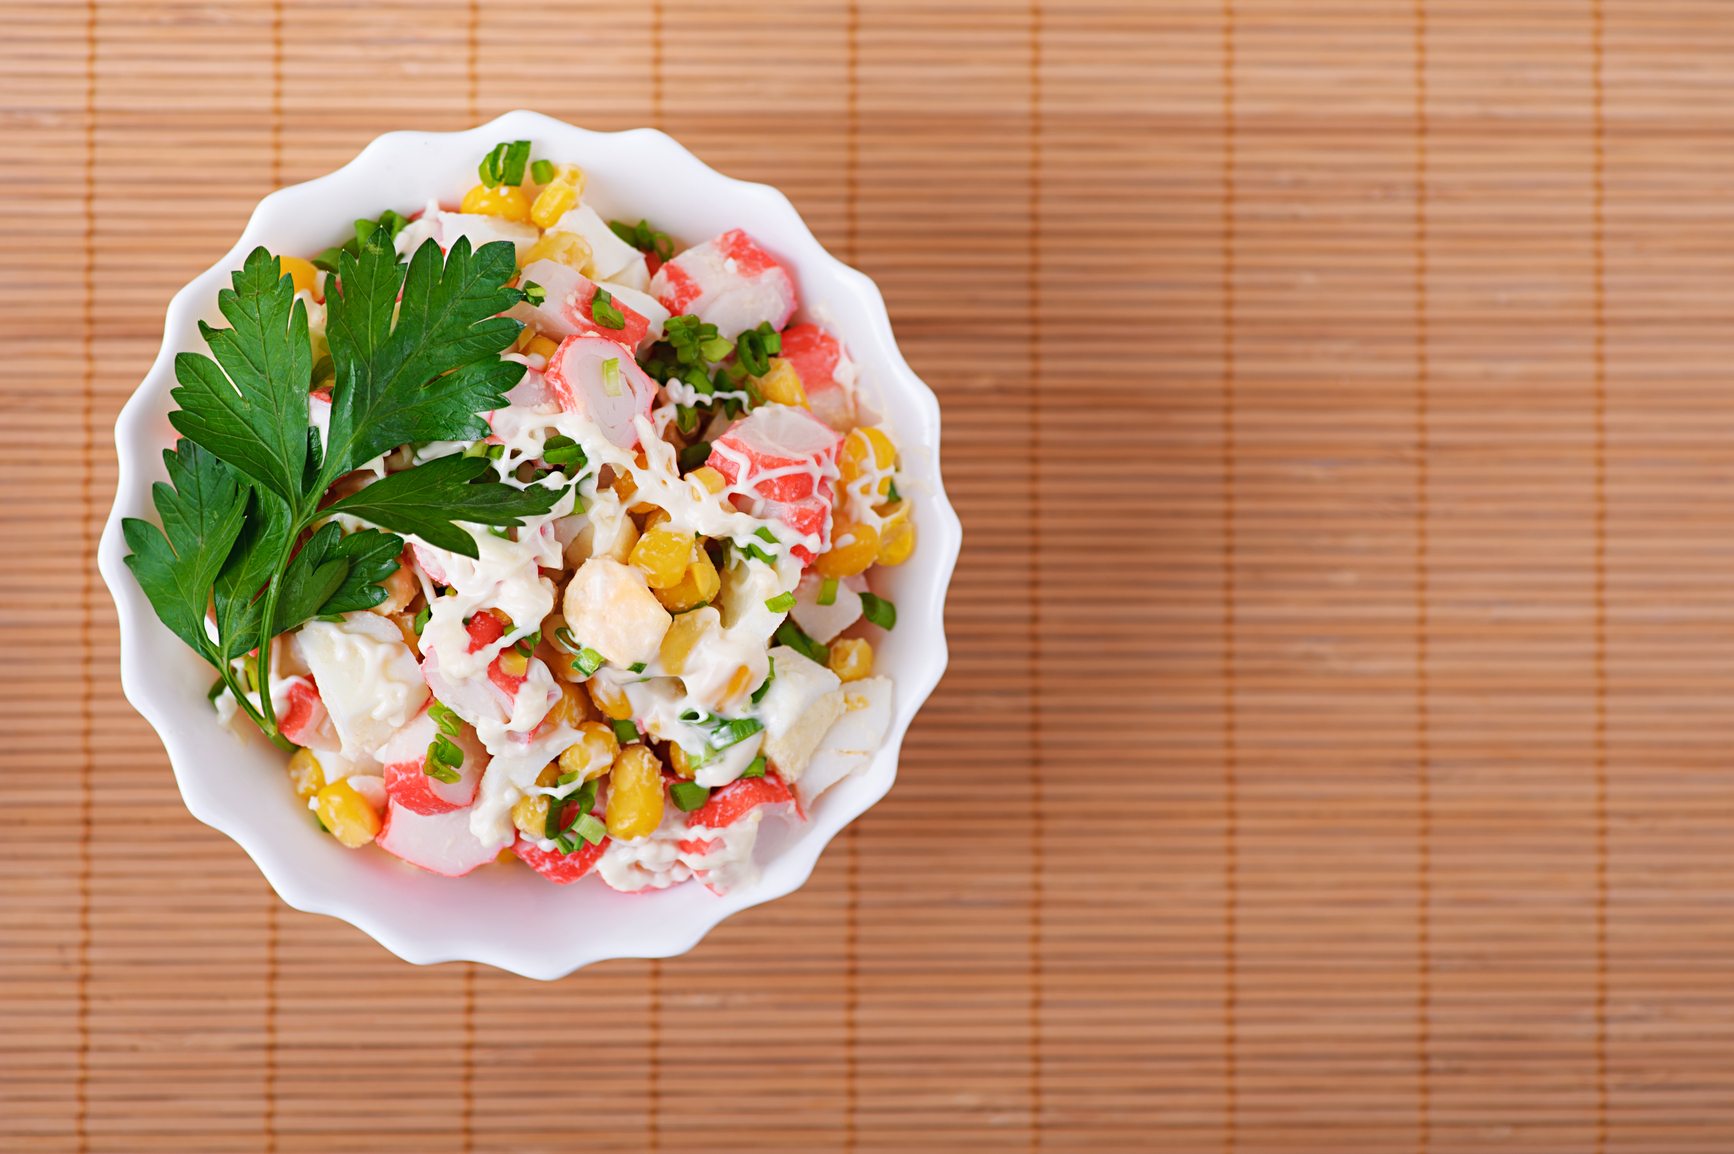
(728, 281)
(440, 843)
(405, 758)
(816, 357)
(779, 452)
(598, 378)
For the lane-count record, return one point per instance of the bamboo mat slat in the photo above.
(1335, 751)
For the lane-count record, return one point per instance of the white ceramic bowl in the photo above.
(511, 918)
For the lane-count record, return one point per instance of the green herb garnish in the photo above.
(534, 293)
(828, 591)
(542, 171)
(756, 769)
(247, 477)
(734, 732)
(765, 687)
(781, 603)
(789, 634)
(624, 731)
(643, 238)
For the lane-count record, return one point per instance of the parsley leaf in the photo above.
(263, 540)
(249, 405)
(427, 378)
(334, 573)
(426, 500)
(202, 507)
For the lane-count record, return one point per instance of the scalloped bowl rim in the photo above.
(511, 918)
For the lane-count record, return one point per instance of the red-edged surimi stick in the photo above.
(441, 843)
(814, 354)
(303, 718)
(733, 802)
(779, 452)
(568, 306)
(580, 376)
(728, 281)
(405, 757)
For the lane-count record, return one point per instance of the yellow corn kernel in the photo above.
(713, 481)
(559, 196)
(305, 774)
(655, 517)
(540, 346)
(698, 586)
(866, 451)
(851, 659)
(897, 535)
(530, 814)
(400, 589)
(507, 201)
(568, 248)
(306, 276)
(739, 682)
(685, 633)
(679, 762)
(663, 555)
(574, 707)
(782, 384)
(347, 815)
(609, 698)
(635, 793)
(513, 663)
(593, 752)
(853, 548)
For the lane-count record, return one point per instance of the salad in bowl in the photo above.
(549, 544)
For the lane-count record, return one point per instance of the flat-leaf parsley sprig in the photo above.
(247, 478)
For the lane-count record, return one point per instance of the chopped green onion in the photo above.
(542, 171)
(756, 769)
(585, 797)
(489, 169)
(624, 231)
(393, 220)
(879, 611)
(750, 351)
(502, 534)
(694, 455)
(445, 720)
(216, 689)
(759, 693)
(759, 554)
(716, 349)
(637, 667)
(734, 732)
(763, 533)
(444, 759)
(563, 450)
(891, 493)
(590, 829)
(323, 370)
(686, 419)
(327, 260)
(781, 603)
(788, 633)
(828, 591)
(551, 828)
(690, 609)
(688, 795)
(588, 661)
(692, 715)
(567, 778)
(364, 230)
(770, 338)
(534, 293)
(603, 312)
(517, 159)
(526, 645)
(611, 376)
(625, 732)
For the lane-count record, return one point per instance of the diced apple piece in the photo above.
(610, 609)
(779, 452)
(560, 868)
(441, 843)
(728, 281)
(823, 622)
(578, 375)
(368, 678)
(801, 704)
(405, 758)
(852, 740)
(814, 354)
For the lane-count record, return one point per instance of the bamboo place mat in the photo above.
(1335, 751)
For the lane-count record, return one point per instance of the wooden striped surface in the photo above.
(1335, 754)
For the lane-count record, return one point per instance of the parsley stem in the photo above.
(235, 689)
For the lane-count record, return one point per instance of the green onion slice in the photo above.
(828, 591)
(626, 732)
(445, 720)
(781, 603)
(603, 312)
(534, 293)
(756, 769)
(879, 611)
(759, 693)
(589, 661)
(611, 377)
(790, 634)
(734, 732)
(688, 795)
(542, 171)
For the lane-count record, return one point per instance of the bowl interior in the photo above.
(512, 918)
